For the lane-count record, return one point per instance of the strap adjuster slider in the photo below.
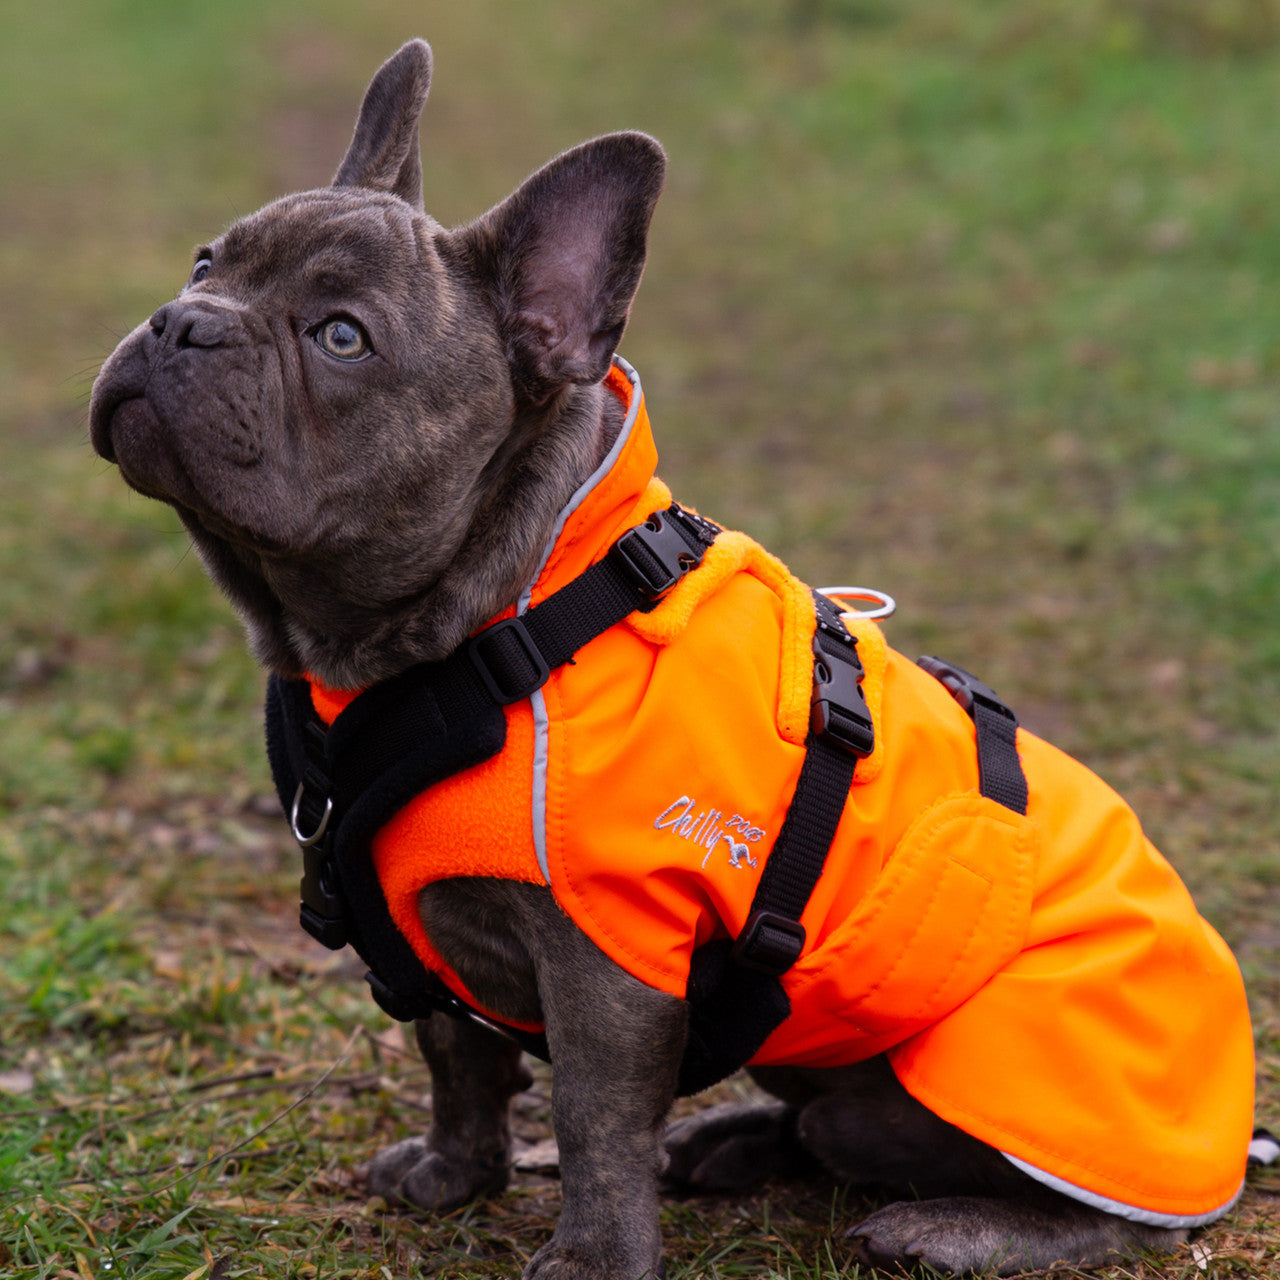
(965, 687)
(770, 943)
(509, 661)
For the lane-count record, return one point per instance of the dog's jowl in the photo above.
(566, 756)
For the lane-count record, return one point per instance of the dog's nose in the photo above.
(189, 325)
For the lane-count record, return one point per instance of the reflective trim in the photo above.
(540, 755)
(541, 723)
(1121, 1210)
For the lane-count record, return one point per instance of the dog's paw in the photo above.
(1003, 1236)
(412, 1173)
(732, 1147)
(567, 1262)
(955, 1234)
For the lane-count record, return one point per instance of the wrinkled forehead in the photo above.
(330, 241)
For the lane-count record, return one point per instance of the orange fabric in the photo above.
(1043, 982)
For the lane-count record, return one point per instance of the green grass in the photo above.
(972, 300)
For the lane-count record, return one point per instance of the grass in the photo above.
(974, 301)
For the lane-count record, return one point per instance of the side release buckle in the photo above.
(838, 708)
(655, 555)
(769, 943)
(321, 912)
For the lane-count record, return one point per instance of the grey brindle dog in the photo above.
(368, 424)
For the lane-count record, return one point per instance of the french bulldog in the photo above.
(368, 424)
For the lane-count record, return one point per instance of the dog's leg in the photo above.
(739, 1145)
(968, 1207)
(474, 1074)
(616, 1046)
(734, 1147)
(865, 1128)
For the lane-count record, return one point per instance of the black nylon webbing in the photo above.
(591, 603)
(1000, 775)
(388, 721)
(800, 852)
(840, 734)
(429, 722)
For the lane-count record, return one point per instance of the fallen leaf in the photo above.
(15, 1082)
(542, 1157)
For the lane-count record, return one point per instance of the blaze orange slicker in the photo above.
(1042, 982)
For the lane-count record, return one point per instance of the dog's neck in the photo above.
(338, 636)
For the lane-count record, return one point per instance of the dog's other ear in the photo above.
(383, 154)
(561, 258)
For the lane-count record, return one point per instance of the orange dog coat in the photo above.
(1042, 981)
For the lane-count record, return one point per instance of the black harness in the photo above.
(340, 785)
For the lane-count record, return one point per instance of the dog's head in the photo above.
(367, 422)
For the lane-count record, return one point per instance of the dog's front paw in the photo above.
(955, 1234)
(568, 1262)
(412, 1173)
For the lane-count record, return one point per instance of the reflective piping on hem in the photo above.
(541, 740)
(1117, 1207)
(541, 723)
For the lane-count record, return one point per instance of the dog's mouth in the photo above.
(126, 429)
(102, 411)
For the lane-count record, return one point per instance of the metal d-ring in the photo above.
(318, 834)
(883, 605)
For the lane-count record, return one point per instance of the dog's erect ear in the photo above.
(383, 154)
(561, 259)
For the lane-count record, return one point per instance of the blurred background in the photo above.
(974, 301)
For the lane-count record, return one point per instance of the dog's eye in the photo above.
(343, 339)
(200, 270)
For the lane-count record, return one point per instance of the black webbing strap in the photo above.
(840, 734)
(515, 657)
(1000, 775)
(735, 998)
(340, 785)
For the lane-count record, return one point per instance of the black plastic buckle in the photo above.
(495, 641)
(324, 929)
(769, 943)
(321, 913)
(655, 555)
(838, 709)
(964, 686)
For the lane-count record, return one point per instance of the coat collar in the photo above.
(619, 494)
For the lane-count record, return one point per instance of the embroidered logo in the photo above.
(708, 827)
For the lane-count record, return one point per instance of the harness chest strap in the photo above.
(346, 782)
(340, 785)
